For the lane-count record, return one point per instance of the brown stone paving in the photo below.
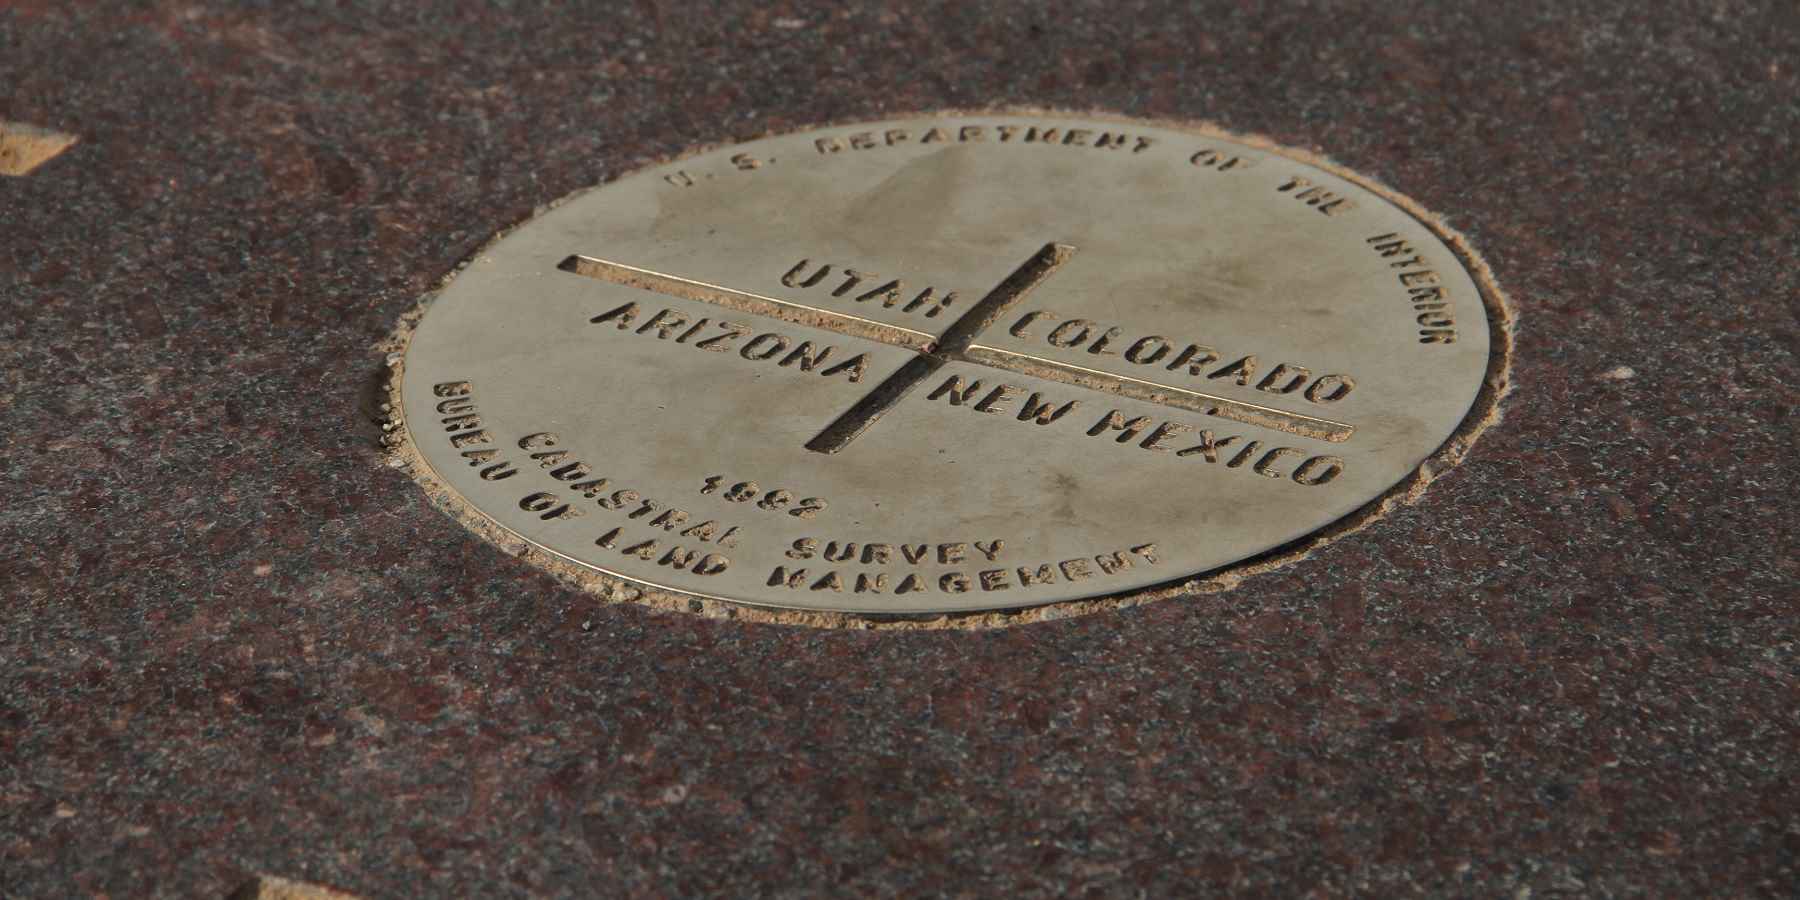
(232, 642)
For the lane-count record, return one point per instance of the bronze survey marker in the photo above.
(946, 364)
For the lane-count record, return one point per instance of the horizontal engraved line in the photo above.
(755, 304)
(1297, 424)
(1152, 392)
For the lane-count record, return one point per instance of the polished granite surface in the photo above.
(233, 641)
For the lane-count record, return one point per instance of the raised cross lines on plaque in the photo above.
(947, 364)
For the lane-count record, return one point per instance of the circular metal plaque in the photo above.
(946, 364)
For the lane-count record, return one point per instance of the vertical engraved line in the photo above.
(1005, 296)
(857, 419)
(955, 340)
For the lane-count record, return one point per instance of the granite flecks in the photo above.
(233, 642)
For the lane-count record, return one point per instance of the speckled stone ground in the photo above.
(232, 642)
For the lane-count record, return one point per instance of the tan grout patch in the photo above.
(269, 887)
(25, 147)
(400, 453)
